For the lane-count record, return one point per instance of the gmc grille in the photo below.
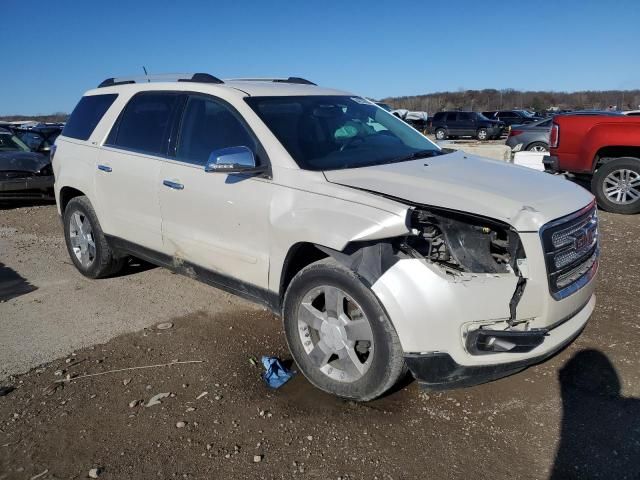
(571, 251)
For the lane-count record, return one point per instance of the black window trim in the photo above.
(175, 123)
(261, 153)
(113, 132)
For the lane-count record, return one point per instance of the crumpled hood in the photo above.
(522, 197)
(22, 161)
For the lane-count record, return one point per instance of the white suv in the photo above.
(380, 250)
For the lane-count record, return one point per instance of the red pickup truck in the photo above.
(603, 150)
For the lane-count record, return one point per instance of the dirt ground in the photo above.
(575, 416)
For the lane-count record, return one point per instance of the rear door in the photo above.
(451, 122)
(466, 124)
(128, 169)
(215, 220)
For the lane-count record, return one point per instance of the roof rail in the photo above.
(170, 77)
(298, 80)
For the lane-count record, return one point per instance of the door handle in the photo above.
(105, 168)
(174, 185)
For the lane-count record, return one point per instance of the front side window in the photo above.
(208, 125)
(336, 132)
(87, 114)
(145, 123)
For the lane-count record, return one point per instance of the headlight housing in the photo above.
(463, 242)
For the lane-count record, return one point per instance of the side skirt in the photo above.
(250, 292)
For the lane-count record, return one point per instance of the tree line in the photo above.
(52, 118)
(507, 99)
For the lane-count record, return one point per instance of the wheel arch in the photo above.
(66, 194)
(298, 257)
(609, 153)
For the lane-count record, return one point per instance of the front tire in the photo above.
(616, 185)
(482, 134)
(87, 246)
(339, 334)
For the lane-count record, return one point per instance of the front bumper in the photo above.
(36, 187)
(436, 316)
(437, 370)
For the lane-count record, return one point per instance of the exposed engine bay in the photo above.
(462, 242)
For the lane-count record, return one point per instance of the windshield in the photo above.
(336, 132)
(526, 113)
(10, 143)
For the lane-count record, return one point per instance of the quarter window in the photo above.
(87, 114)
(145, 123)
(208, 125)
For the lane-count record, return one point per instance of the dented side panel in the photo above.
(299, 216)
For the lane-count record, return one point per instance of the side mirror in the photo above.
(232, 160)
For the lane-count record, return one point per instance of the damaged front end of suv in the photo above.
(457, 275)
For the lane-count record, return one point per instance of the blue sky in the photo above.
(54, 52)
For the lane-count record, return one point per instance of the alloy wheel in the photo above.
(81, 238)
(538, 148)
(622, 186)
(335, 334)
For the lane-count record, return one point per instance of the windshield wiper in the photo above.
(416, 155)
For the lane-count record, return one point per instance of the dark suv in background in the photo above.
(464, 124)
(512, 117)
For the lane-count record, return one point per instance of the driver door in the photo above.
(214, 220)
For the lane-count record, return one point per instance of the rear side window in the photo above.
(208, 125)
(145, 123)
(87, 114)
(451, 117)
(464, 116)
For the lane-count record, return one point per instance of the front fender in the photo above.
(298, 216)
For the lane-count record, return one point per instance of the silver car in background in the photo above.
(533, 137)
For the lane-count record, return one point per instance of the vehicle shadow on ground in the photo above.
(600, 431)
(133, 266)
(12, 284)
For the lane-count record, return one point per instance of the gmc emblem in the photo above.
(583, 238)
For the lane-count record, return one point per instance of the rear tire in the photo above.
(537, 147)
(441, 134)
(86, 243)
(482, 134)
(324, 342)
(616, 185)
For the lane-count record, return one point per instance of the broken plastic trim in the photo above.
(367, 259)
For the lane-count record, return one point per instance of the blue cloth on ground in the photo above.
(276, 374)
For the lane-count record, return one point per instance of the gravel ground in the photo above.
(575, 416)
